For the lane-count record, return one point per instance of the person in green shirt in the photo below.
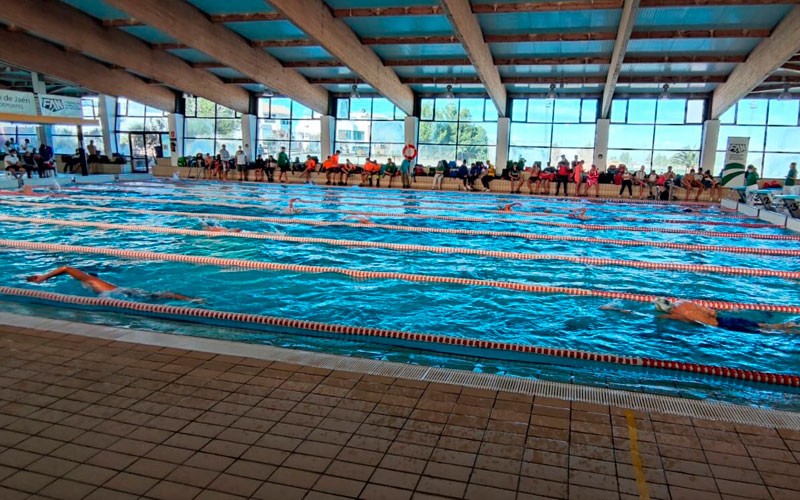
(439, 176)
(791, 179)
(283, 165)
(389, 169)
(751, 178)
(405, 173)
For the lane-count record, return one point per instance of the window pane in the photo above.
(631, 158)
(193, 146)
(619, 110)
(491, 112)
(471, 109)
(729, 116)
(752, 112)
(306, 130)
(191, 106)
(678, 137)
(585, 154)
(135, 109)
(199, 128)
(630, 136)
(273, 130)
(355, 152)
(695, 111)
(671, 111)
(302, 149)
(24, 129)
(530, 155)
(229, 129)
(280, 107)
(437, 133)
(156, 124)
(426, 113)
(477, 133)
(756, 135)
(540, 110)
(64, 144)
(783, 112)
(446, 110)
(776, 165)
(382, 109)
(471, 153)
(342, 109)
(531, 134)
(90, 131)
(641, 111)
(383, 151)
(223, 112)
(519, 108)
(153, 112)
(263, 107)
(568, 135)
(589, 110)
(430, 154)
(388, 132)
(274, 147)
(681, 160)
(130, 124)
(61, 130)
(206, 108)
(352, 131)
(783, 139)
(300, 111)
(567, 111)
(122, 106)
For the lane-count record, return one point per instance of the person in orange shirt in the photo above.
(330, 168)
(311, 167)
(371, 169)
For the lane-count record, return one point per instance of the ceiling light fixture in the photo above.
(785, 94)
(448, 92)
(552, 94)
(187, 95)
(267, 92)
(664, 92)
(354, 92)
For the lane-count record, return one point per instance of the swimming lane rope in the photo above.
(359, 274)
(582, 226)
(414, 229)
(422, 340)
(594, 261)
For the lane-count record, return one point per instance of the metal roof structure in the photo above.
(424, 46)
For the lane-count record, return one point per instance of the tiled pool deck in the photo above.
(94, 417)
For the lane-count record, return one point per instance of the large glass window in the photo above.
(135, 117)
(656, 133)
(285, 123)
(93, 132)
(457, 129)
(544, 129)
(208, 126)
(18, 132)
(369, 127)
(771, 125)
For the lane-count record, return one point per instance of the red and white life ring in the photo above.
(409, 152)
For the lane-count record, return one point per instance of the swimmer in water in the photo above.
(361, 219)
(694, 313)
(99, 286)
(213, 228)
(579, 213)
(509, 207)
(291, 210)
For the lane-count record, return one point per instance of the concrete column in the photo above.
(503, 137)
(326, 136)
(175, 124)
(249, 128)
(44, 134)
(708, 152)
(411, 130)
(601, 143)
(107, 109)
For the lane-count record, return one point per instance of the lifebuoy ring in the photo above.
(409, 152)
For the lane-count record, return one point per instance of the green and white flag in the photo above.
(733, 174)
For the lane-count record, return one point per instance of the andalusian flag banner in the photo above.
(733, 173)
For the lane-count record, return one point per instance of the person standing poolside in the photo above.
(751, 178)
(593, 180)
(241, 164)
(405, 173)
(102, 287)
(225, 155)
(790, 184)
(690, 312)
(627, 181)
(283, 165)
(577, 174)
(562, 176)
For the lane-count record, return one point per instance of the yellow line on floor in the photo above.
(636, 459)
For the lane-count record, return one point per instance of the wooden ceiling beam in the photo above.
(188, 25)
(71, 27)
(474, 80)
(315, 19)
(29, 52)
(628, 18)
(767, 57)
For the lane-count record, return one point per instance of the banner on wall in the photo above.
(17, 103)
(58, 105)
(733, 173)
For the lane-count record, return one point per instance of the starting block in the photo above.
(792, 204)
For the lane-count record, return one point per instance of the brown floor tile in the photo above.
(64, 489)
(27, 481)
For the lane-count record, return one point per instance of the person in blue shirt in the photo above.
(463, 174)
(405, 173)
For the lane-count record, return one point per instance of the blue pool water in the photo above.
(560, 321)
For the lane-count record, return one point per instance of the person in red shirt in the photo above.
(562, 176)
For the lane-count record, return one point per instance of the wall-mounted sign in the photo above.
(735, 159)
(58, 105)
(17, 103)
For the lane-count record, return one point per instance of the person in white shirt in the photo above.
(26, 146)
(12, 163)
(241, 164)
(225, 156)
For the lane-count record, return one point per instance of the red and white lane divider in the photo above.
(594, 261)
(423, 340)
(583, 226)
(414, 229)
(359, 274)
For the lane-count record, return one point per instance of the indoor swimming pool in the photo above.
(442, 265)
